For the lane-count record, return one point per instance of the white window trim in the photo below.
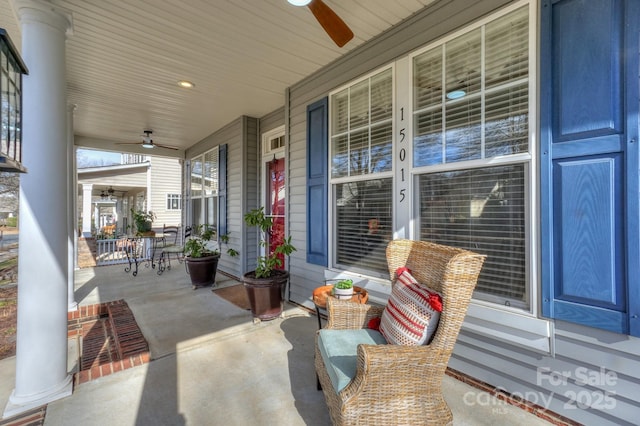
(518, 326)
(267, 137)
(203, 197)
(331, 200)
(269, 154)
(508, 325)
(168, 197)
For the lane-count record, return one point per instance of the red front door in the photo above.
(275, 204)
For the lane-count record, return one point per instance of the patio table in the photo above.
(142, 248)
(320, 295)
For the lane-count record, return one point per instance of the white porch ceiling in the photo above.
(125, 58)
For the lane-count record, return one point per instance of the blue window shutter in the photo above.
(589, 167)
(317, 160)
(222, 189)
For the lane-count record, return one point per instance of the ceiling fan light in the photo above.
(148, 145)
(299, 2)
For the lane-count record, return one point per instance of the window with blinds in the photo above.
(361, 127)
(211, 187)
(482, 210)
(482, 112)
(204, 189)
(363, 224)
(361, 159)
(471, 102)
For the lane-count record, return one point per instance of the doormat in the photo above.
(235, 294)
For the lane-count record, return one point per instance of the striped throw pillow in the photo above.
(412, 312)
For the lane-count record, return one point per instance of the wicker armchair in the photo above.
(395, 384)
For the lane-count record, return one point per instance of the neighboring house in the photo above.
(8, 207)
(506, 127)
(148, 183)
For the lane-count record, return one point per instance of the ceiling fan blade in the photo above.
(128, 143)
(166, 146)
(339, 32)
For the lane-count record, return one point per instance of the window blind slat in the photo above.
(361, 127)
(504, 68)
(363, 208)
(363, 215)
(480, 210)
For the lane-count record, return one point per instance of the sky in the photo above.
(92, 158)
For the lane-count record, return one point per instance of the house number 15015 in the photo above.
(402, 156)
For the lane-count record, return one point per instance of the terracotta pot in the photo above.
(202, 270)
(266, 295)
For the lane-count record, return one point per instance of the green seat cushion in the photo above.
(339, 350)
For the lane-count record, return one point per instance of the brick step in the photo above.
(128, 336)
(111, 339)
(33, 417)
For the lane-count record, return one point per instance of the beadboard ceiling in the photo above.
(125, 58)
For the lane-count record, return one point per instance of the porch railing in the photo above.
(113, 251)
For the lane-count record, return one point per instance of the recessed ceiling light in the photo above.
(299, 2)
(186, 84)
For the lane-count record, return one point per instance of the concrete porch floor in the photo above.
(211, 365)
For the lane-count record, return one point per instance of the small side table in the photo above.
(321, 294)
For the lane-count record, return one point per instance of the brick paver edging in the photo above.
(34, 417)
(548, 415)
(131, 346)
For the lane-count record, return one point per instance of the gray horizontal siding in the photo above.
(239, 187)
(250, 191)
(539, 377)
(272, 120)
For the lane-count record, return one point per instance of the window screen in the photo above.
(361, 127)
(482, 210)
(483, 110)
(361, 146)
(204, 189)
(363, 224)
(482, 113)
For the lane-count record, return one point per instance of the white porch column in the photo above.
(96, 216)
(41, 353)
(72, 211)
(87, 212)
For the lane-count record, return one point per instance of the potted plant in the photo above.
(143, 221)
(343, 289)
(266, 284)
(200, 257)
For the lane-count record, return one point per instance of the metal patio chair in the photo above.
(172, 246)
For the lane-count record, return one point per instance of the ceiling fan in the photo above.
(147, 142)
(108, 194)
(339, 32)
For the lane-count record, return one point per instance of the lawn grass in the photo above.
(8, 263)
